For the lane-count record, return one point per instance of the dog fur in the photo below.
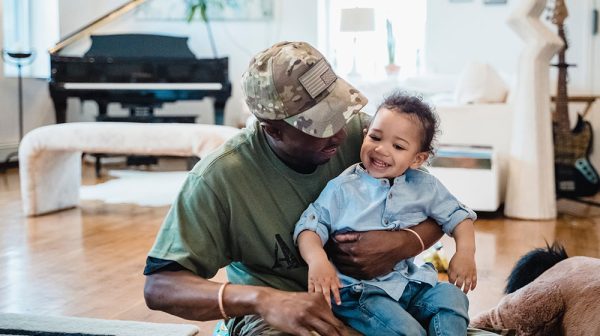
(562, 300)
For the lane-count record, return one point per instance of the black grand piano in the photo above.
(140, 71)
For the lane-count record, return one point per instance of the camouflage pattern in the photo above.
(275, 87)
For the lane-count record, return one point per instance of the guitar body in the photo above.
(575, 175)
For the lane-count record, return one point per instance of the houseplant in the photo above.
(391, 68)
(200, 7)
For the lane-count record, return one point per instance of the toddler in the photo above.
(387, 191)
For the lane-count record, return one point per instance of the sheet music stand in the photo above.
(19, 59)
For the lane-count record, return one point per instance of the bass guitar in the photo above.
(574, 174)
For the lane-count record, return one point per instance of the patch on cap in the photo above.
(318, 78)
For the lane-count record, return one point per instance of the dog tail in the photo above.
(533, 264)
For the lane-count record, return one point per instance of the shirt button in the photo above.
(311, 217)
(390, 196)
(386, 222)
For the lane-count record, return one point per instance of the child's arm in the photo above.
(462, 270)
(322, 277)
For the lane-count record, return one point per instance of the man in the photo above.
(239, 205)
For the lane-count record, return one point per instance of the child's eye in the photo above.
(398, 147)
(374, 137)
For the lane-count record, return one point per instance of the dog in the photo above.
(548, 293)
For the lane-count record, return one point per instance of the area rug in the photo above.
(30, 325)
(154, 189)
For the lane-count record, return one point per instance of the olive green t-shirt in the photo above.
(238, 208)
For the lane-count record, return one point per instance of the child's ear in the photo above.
(420, 158)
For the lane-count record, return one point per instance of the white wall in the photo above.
(293, 20)
(460, 32)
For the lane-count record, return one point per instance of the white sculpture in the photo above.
(530, 191)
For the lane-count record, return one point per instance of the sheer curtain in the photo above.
(408, 25)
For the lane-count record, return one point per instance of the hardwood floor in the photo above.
(88, 261)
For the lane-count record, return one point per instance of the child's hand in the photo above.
(462, 271)
(322, 278)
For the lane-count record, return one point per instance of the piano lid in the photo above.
(75, 43)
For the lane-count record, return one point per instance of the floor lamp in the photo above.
(356, 20)
(19, 59)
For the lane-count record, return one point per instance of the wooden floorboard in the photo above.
(88, 261)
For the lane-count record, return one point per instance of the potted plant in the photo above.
(391, 68)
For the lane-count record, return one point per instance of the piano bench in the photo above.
(50, 156)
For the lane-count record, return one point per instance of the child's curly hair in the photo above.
(403, 102)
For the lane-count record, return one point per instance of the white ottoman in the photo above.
(50, 156)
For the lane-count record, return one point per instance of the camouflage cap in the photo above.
(293, 81)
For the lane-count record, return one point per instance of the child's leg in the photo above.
(371, 311)
(444, 308)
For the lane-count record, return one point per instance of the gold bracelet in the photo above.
(221, 308)
(418, 237)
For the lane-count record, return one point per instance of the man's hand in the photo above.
(365, 255)
(299, 313)
(322, 278)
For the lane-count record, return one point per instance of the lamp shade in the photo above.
(357, 19)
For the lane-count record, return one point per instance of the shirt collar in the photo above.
(361, 171)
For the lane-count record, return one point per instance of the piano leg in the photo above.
(60, 109)
(219, 111)
(102, 108)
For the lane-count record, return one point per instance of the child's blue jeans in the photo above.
(422, 310)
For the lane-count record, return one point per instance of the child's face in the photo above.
(392, 144)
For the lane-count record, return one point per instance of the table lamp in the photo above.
(357, 20)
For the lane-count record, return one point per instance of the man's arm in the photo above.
(187, 295)
(365, 255)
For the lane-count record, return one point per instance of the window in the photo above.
(407, 18)
(30, 25)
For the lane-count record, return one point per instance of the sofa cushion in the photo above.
(480, 83)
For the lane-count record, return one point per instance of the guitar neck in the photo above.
(562, 101)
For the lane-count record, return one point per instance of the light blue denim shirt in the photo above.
(356, 201)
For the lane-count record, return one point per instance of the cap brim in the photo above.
(330, 115)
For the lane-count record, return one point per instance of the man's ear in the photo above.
(272, 130)
(420, 158)
(365, 131)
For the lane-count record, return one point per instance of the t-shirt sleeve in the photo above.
(194, 233)
(446, 210)
(155, 265)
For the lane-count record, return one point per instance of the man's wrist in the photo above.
(245, 300)
(409, 245)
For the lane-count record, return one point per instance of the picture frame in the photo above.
(495, 2)
(231, 10)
